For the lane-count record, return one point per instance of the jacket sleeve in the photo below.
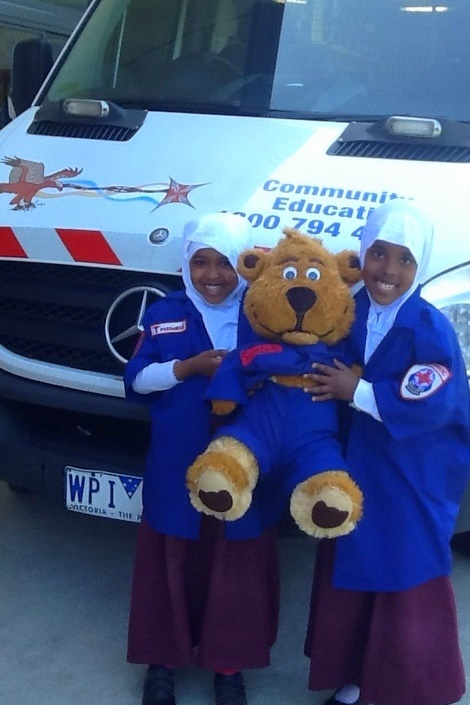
(228, 381)
(432, 393)
(146, 352)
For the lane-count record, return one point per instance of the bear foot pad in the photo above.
(328, 517)
(216, 501)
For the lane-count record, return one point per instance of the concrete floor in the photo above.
(64, 591)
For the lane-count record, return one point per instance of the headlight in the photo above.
(450, 293)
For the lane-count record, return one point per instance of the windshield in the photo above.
(326, 58)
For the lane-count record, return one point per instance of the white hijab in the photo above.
(228, 234)
(399, 222)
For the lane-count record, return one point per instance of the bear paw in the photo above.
(221, 407)
(221, 480)
(327, 505)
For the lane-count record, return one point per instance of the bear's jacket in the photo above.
(291, 436)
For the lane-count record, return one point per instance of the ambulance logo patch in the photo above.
(169, 327)
(423, 380)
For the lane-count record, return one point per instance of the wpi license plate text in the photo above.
(103, 494)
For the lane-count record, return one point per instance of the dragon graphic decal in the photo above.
(28, 181)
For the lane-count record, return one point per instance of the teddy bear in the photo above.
(276, 439)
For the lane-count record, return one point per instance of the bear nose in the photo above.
(301, 299)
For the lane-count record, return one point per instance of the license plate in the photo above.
(103, 494)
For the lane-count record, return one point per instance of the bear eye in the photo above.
(313, 274)
(289, 273)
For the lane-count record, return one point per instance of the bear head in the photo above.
(299, 292)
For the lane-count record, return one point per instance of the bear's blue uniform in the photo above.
(413, 467)
(291, 437)
(166, 504)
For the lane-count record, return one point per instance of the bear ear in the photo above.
(349, 267)
(251, 263)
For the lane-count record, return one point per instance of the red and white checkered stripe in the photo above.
(87, 246)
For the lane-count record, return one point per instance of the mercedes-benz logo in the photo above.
(123, 324)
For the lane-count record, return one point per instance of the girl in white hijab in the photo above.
(191, 572)
(408, 449)
(228, 235)
(401, 224)
(398, 222)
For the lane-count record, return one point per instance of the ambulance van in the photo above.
(303, 113)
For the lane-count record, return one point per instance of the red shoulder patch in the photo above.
(247, 356)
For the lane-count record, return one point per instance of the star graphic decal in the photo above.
(178, 193)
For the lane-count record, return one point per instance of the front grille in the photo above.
(56, 313)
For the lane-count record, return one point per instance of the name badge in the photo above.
(169, 327)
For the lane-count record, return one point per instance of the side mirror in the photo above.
(32, 61)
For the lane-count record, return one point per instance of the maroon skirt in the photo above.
(211, 602)
(400, 648)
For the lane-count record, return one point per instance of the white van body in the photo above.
(157, 112)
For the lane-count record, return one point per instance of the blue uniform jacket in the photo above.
(413, 466)
(180, 419)
(291, 437)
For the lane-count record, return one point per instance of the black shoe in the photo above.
(333, 701)
(159, 686)
(229, 690)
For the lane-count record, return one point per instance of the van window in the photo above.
(30, 19)
(338, 58)
(374, 58)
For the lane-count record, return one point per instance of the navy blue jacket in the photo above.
(180, 419)
(413, 466)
